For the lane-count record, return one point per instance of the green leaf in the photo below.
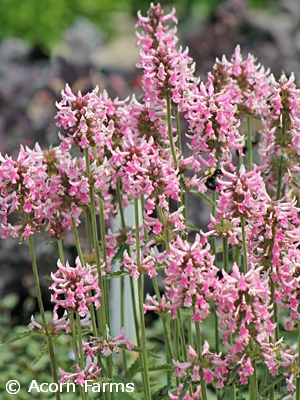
(100, 195)
(119, 254)
(162, 394)
(185, 388)
(48, 277)
(43, 350)
(158, 367)
(274, 381)
(233, 374)
(137, 349)
(203, 196)
(21, 336)
(192, 227)
(117, 274)
(225, 394)
(133, 369)
(183, 184)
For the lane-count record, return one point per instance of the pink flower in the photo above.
(75, 285)
(191, 276)
(153, 305)
(213, 125)
(90, 372)
(146, 266)
(106, 346)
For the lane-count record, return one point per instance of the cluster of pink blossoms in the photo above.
(168, 72)
(90, 372)
(272, 233)
(191, 276)
(211, 366)
(247, 83)
(280, 137)
(213, 125)
(75, 285)
(23, 190)
(106, 346)
(127, 146)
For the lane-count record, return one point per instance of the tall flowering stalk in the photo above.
(130, 152)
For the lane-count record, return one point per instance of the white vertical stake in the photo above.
(115, 287)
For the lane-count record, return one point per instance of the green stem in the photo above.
(225, 254)
(81, 258)
(41, 308)
(135, 313)
(232, 393)
(280, 169)
(164, 320)
(245, 258)
(77, 242)
(214, 252)
(122, 317)
(253, 384)
(166, 230)
(199, 350)
(119, 197)
(179, 145)
(177, 117)
(81, 357)
(169, 119)
(61, 251)
(141, 304)
(71, 315)
(181, 334)
(158, 297)
(102, 313)
(249, 144)
(176, 343)
(131, 280)
(104, 254)
(88, 230)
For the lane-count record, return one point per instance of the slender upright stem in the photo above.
(102, 312)
(249, 144)
(141, 305)
(131, 280)
(122, 320)
(245, 257)
(280, 167)
(81, 258)
(181, 334)
(253, 384)
(77, 242)
(225, 254)
(214, 252)
(119, 197)
(41, 308)
(164, 320)
(71, 315)
(104, 254)
(88, 230)
(199, 350)
(177, 116)
(81, 357)
(169, 119)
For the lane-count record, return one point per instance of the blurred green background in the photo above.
(42, 22)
